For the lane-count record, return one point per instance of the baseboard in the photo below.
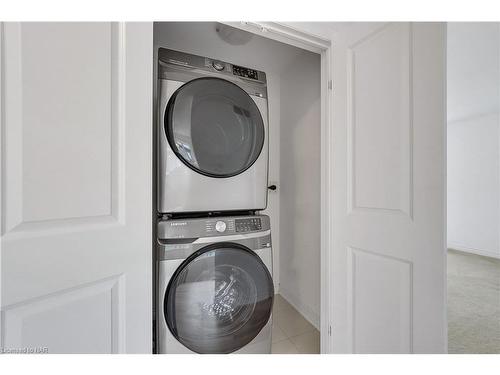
(308, 313)
(277, 288)
(466, 249)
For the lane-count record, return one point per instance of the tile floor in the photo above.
(292, 333)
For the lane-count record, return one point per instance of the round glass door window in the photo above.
(219, 299)
(214, 127)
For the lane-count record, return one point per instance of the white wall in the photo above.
(473, 69)
(474, 185)
(300, 185)
(473, 138)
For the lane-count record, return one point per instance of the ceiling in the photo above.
(323, 30)
(473, 69)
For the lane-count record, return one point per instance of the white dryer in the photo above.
(215, 289)
(213, 135)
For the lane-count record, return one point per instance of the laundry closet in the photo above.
(80, 214)
(293, 138)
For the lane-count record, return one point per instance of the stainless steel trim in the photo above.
(183, 250)
(234, 237)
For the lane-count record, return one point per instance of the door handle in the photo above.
(272, 187)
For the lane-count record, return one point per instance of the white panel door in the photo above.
(389, 188)
(76, 187)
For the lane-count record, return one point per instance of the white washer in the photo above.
(215, 287)
(213, 135)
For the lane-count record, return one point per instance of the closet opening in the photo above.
(294, 98)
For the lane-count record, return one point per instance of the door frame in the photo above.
(323, 47)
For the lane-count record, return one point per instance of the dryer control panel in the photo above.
(245, 72)
(170, 62)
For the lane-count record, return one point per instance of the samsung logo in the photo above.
(178, 224)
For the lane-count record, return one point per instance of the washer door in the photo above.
(219, 299)
(214, 127)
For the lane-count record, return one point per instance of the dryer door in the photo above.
(219, 299)
(214, 127)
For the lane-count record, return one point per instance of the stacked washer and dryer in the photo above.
(214, 255)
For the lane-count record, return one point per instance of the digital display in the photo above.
(245, 72)
(248, 225)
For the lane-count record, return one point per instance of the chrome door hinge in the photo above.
(330, 85)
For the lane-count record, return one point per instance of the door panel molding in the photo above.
(76, 275)
(404, 275)
(112, 288)
(401, 184)
(15, 225)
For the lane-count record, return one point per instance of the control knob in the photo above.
(218, 65)
(220, 226)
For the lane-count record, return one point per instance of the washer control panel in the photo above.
(216, 226)
(210, 227)
(248, 224)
